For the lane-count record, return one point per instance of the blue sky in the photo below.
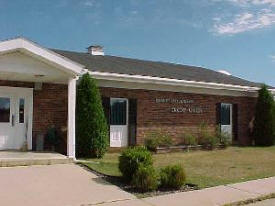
(233, 35)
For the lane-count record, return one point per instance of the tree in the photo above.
(91, 125)
(264, 125)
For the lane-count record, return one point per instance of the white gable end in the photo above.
(50, 57)
(21, 67)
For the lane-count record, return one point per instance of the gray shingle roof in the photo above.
(123, 65)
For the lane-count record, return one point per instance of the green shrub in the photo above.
(210, 141)
(264, 124)
(223, 138)
(157, 138)
(131, 159)
(190, 139)
(145, 179)
(165, 140)
(206, 138)
(92, 136)
(151, 144)
(172, 177)
(203, 131)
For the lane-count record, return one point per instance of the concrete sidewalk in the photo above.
(208, 197)
(71, 185)
(56, 185)
(17, 158)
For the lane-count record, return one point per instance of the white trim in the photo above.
(230, 126)
(30, 123)
(24, 45)
(231, 107)
(120, 129)
(138, 79)
(170, 88)
(127, 109)
(71, 118)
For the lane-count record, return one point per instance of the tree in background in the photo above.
(91, 126)
(264, 125)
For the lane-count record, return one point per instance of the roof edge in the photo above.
(167, 81)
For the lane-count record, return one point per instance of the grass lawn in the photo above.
(207, 168)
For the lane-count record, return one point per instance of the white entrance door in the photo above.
(119, 122)
(226, 119)
(6, 119)
(15, 118)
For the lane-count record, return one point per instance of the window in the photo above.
(4, 109)
(225, 114)
(118, 111)
(21, 110)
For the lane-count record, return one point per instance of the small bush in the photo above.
(206, 138)
(224, 138)
(165, 140)
(172, 177)
(145, 179)
(151, 144)
(210, 141)
(203, 131)
(190, 139)
(157, 138)
(131, 159)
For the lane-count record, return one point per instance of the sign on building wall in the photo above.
(182, 105)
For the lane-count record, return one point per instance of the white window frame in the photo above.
(231, 112)
(127, 110)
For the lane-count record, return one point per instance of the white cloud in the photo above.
(253, 2)
(89, 3)
(272, 58)
(134, 12)
(246, 21)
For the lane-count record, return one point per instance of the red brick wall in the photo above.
(49, 108)
(151, 115)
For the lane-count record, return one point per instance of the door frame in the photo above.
(23, 92)
(231, 118)
(127, 116)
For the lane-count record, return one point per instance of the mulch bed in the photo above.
(118, 181)
(185, 148)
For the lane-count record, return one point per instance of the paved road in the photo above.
(55, 185)
(270, 202)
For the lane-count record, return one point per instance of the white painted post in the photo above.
(71, 118)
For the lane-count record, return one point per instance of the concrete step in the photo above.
(13, 162)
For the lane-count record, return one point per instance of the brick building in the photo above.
(140, 96)
(38, 87)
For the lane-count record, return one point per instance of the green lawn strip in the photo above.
(252, 200)
(206, 168)
(106, 168)
(212, 168)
